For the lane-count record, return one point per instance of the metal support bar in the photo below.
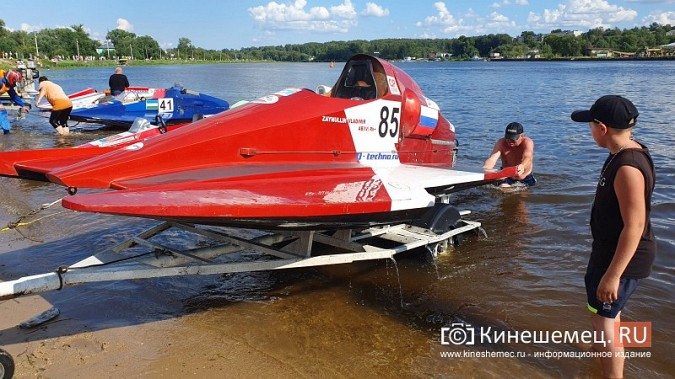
(108, 265)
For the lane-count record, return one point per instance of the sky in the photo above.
(230, 24)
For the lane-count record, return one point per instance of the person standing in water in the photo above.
(8, 83)
(61, 104)
(515, 149)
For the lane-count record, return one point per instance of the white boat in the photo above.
(80, 99)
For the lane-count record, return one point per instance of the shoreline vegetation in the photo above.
(73, 64)
(72, 47)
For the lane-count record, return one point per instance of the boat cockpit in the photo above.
(361, 79)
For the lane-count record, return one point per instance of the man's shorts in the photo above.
(529, 181)
(610, 310)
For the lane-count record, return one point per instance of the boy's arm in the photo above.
(630, 189)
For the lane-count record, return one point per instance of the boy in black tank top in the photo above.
(623, 240)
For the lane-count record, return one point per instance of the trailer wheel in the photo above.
(6, 365)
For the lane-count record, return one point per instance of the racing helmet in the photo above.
(13, 77)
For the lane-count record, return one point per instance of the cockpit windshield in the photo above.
(358, 81)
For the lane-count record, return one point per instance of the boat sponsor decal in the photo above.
(365, 191)
(393, 85)
(145, 92)
(343, 120)
(135, 147)
(268, 99)
(377, 156)
(369, 190)
(376, 133)
(114, 140)
(287, 91)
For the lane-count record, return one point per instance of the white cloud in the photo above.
(497, 17)
(124, 24)
(567, 14)
(582, 13)
(663, 18)
(294, 16)
(375, 10)
(28, 28)
(344, 10)
(533, 18)
(506, 3)
(452, 26)
(470, 13)
(443, 18)
(652, 1)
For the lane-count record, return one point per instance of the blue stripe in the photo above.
(429, 122)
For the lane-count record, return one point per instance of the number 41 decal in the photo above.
(165, 105)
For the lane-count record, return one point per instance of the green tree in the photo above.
(185, 48)
(146, 47)
(564, 45)
(123, 41)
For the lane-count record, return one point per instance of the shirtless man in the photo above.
(515, 149)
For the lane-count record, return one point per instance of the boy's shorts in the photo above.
(626, 288)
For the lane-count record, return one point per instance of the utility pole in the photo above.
(77, 44)
(37, 52)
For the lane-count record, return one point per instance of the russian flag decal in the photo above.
(428, 117)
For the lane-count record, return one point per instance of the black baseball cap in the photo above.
(513, 131)
(612, 110)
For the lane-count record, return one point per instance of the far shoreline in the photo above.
(583, 59)
(67, 65)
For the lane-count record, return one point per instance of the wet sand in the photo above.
(344, 321)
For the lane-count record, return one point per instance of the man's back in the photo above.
(117, 83)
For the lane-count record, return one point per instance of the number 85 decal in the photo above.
(388, 125)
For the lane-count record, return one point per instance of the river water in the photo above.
(372, 319)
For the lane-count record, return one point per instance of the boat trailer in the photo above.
(160, 260)
(143, 257)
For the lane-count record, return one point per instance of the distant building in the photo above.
(599, 53)
(105, 48)
(575, 33)
(440, 55)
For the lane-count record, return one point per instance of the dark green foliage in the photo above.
(69, 42)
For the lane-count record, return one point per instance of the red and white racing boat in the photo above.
(367, 164)
(374, 151)
(140, 130)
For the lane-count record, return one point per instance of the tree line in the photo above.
(74, 43)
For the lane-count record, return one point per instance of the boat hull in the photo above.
(175, 105)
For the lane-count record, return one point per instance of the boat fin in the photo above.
(33, 164)
(310, 193)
